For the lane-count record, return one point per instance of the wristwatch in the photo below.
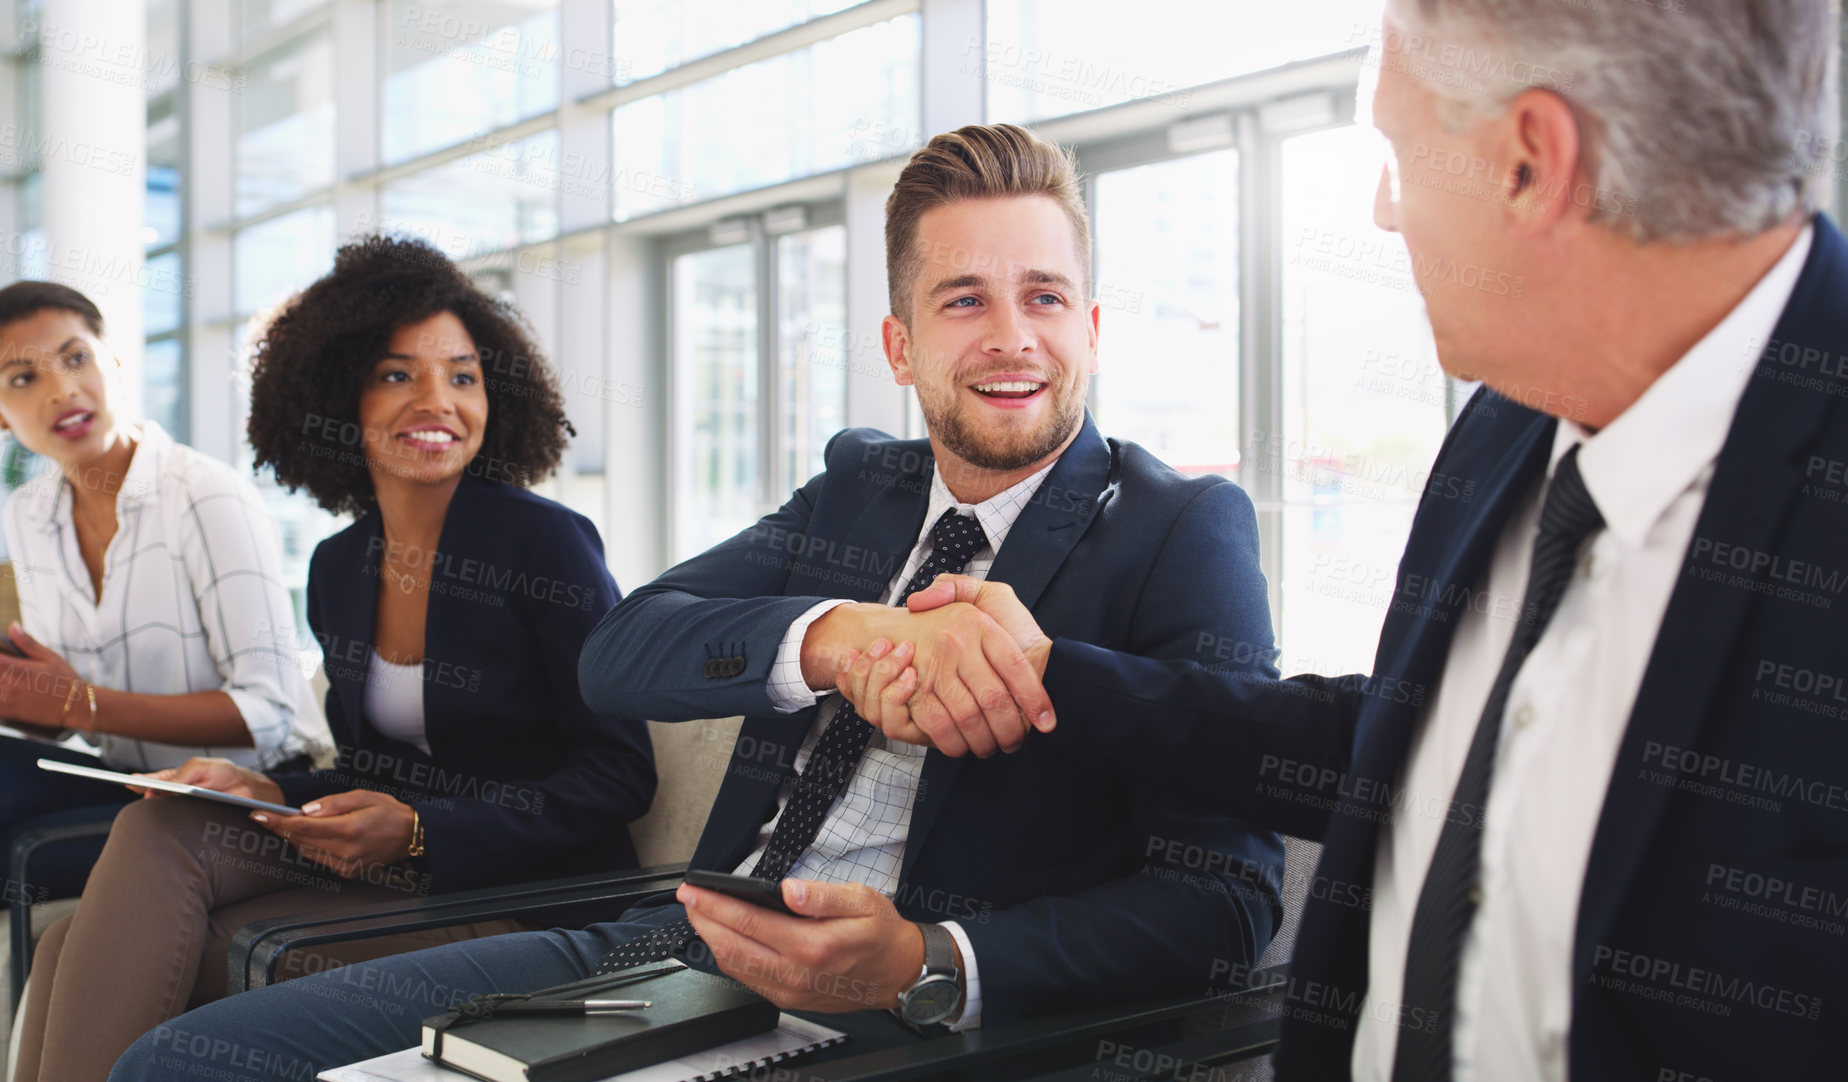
(937, 992)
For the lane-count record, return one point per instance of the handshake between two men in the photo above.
(959, 671)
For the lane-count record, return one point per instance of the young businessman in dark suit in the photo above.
(960, 891)
(1586, 816)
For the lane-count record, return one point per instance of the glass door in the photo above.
(813, 350)
(717, 457)
(1168, 282)
(1364, 403)
(759, 352)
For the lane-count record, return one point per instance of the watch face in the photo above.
(931, 1000)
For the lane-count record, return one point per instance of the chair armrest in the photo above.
(1164, 1039)
(257, 947)
(21, 894)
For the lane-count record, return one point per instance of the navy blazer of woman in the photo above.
(523, 781)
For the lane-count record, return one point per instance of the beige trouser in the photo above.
(149, 940)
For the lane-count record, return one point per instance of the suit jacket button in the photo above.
(711, 669)
(736, 667)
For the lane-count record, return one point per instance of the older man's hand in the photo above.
(887, 689)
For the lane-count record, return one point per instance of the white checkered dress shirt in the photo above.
(862, 840)
(192, 597)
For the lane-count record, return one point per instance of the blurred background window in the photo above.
(684, 199)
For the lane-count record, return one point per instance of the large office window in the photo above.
(163, 381)
(279, 256)
(812, 349)
(456, 70)
(652, 36)
(161, 215)
(164, 62)
(1167, 252)
(768, 309)
(493, 200)
(285, 127)
(1047, 58)
(717, 453)
(1364, 402)
(257, 18)
(732, 292)
(804, 112)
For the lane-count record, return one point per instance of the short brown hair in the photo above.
(980, 161)
(28, 298)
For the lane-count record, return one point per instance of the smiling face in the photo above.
(54, 394)
(423, 409)
(1002, 342)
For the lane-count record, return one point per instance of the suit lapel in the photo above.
(444, 630)
(350, 618)
(888, 529)
(1756, 479)
(1430, 598)
(1452, 541)
(1043, 536)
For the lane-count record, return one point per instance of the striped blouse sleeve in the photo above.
(234, 559)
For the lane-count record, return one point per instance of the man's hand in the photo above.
(849, 951)
(347, 832)
(999, 601)
(888, 691)
(970, 664)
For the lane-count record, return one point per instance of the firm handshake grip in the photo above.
(959, 670)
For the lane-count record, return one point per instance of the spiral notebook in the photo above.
(792, 1037)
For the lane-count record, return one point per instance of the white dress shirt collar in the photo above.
(1636, 465)
(997, 514)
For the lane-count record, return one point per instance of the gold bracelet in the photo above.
(68, 700)
(91, 689)
(417, 837)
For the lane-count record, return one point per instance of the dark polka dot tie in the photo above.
(955, 539)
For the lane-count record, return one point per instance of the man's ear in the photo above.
(897, 339)
(1541, 183)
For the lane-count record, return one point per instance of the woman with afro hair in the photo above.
(450, 615)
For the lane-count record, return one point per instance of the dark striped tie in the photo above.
(955, 539)
(1452, 891)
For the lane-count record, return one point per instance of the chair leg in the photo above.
(22, 895)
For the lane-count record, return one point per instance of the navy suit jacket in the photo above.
(523, 781)
(1709, 936)
(1075, 883)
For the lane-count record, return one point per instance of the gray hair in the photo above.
(1698, 117)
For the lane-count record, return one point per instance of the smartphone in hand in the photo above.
(763, 892)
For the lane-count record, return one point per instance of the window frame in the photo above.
(771, 488)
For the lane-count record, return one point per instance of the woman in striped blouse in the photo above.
(149, 579)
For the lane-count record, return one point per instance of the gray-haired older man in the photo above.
(1600, 831)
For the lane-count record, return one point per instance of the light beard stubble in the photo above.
(969, 442)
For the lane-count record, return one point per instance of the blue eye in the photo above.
(958, 302)
(1053, 297)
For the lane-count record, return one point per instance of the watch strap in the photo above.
(939, 951)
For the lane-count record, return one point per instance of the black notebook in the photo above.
(690, 1011)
